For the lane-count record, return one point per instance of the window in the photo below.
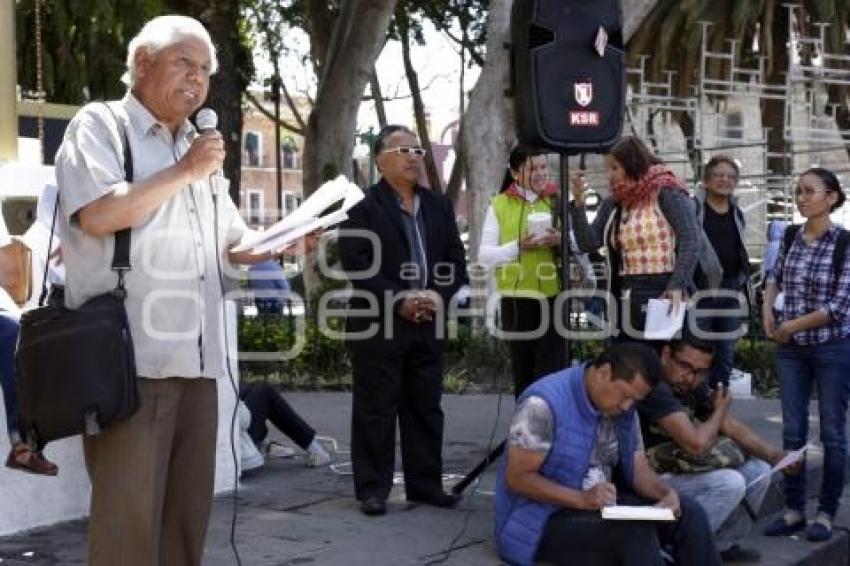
(253, 149)
(732, 126)
(289, 153)
(256, 210)
(290, 202)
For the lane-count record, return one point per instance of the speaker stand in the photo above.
(566, 252)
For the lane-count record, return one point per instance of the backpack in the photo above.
(839, 254)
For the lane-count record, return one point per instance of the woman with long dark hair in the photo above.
(648, 228)
(811, 324)
(520, 249)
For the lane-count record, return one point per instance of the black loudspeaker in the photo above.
(568, 74)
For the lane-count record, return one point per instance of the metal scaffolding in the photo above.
(809, 130)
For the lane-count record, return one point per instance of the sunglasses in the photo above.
(405, 150)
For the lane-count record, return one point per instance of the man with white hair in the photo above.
(152, 475)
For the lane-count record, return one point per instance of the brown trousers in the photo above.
(152, 477)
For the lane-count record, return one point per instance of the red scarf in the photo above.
(549, 190)
(629, 194)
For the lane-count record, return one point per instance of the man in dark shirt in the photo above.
(682, 410)
(724, 224)
(403, 276)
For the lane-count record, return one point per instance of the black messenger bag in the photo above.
(76, 368)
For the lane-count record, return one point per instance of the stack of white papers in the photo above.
(637, 513)
(789, 460)
(308, 217)
(661, 325)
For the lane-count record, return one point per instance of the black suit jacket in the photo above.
(380, 214)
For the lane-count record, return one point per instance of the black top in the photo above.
(379, 267)
(723, 235)
(662, 401)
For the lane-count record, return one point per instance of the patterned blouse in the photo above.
(804, 275)
(646, 241)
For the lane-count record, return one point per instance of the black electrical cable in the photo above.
(453, 544)
(235, 496)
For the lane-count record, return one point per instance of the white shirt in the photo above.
(491, 252)
(173, 291)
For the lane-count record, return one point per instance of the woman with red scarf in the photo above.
(648, 228)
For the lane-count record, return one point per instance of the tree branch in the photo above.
(291, 103)
(282, 123)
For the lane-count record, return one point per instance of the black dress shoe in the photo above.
(373, 506)
(437, 499)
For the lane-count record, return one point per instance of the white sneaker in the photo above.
(275, 450)
(317, 459)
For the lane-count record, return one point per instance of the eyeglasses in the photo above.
(686, 366)
(406, 150)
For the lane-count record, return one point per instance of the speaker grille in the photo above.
(539, 36)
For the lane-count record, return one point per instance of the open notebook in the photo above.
(637, 513)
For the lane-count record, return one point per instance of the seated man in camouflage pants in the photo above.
(701, 450)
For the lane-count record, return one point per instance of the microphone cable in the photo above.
(447, 553)
(206, 120)
(233, 417)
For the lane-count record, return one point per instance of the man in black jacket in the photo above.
(402, 251)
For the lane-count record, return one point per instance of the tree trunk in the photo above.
(488, 125)
(355, 45)
(419, 112)
(634, 12)
(378, 98)
(356, 42)
(456, 176)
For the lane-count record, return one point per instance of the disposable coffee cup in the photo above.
(539, 222)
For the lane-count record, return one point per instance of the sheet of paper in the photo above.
(659, 324)
(637, 513)
(306, 218)
(789, 460)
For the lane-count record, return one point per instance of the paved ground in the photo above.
(290, 514)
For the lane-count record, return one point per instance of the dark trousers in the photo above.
(532, 358)
(9, 328)
(633, 293)
(399, 379)
(267, 404)
(723, 324)
(574, 537)
(825, 367)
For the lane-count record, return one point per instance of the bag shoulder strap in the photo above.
(121, 254)
(839, 255)
(788, 236)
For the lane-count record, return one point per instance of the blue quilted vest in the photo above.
(520, 521)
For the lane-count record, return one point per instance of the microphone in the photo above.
(206, 120)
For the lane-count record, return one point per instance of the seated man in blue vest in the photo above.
(575, 447)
